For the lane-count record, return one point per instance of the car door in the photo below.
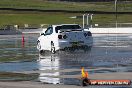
(48, 37)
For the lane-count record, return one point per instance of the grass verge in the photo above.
(36, 17)
(60, 18)
(54, 5)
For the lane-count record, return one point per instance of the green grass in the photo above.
(46, 18)
(46, 5)
(34, 17)
(107, 19)
(59, 18)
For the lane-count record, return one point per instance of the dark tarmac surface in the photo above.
(109, 54)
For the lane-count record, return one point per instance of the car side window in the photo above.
(49, 31)
(57, 28)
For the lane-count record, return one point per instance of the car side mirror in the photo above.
(43, 34)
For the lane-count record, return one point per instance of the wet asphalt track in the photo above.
(112, 52)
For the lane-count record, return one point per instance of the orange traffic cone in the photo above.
(84, 74)
(23, 40)
(85, 80)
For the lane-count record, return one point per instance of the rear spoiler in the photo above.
(68, 30)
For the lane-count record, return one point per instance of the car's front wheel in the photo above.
(52, 48)
(38, 45)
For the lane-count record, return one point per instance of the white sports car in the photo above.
(64, 37)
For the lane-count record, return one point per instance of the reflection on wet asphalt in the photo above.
(111, 52)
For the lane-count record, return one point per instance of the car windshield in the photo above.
(72, 27)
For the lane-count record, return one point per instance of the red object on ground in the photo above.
(23, 40)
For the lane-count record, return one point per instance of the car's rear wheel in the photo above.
(87, 48)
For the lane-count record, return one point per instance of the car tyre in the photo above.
(38, 45)
(87, 48)
(41, 51)
(52, 48)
